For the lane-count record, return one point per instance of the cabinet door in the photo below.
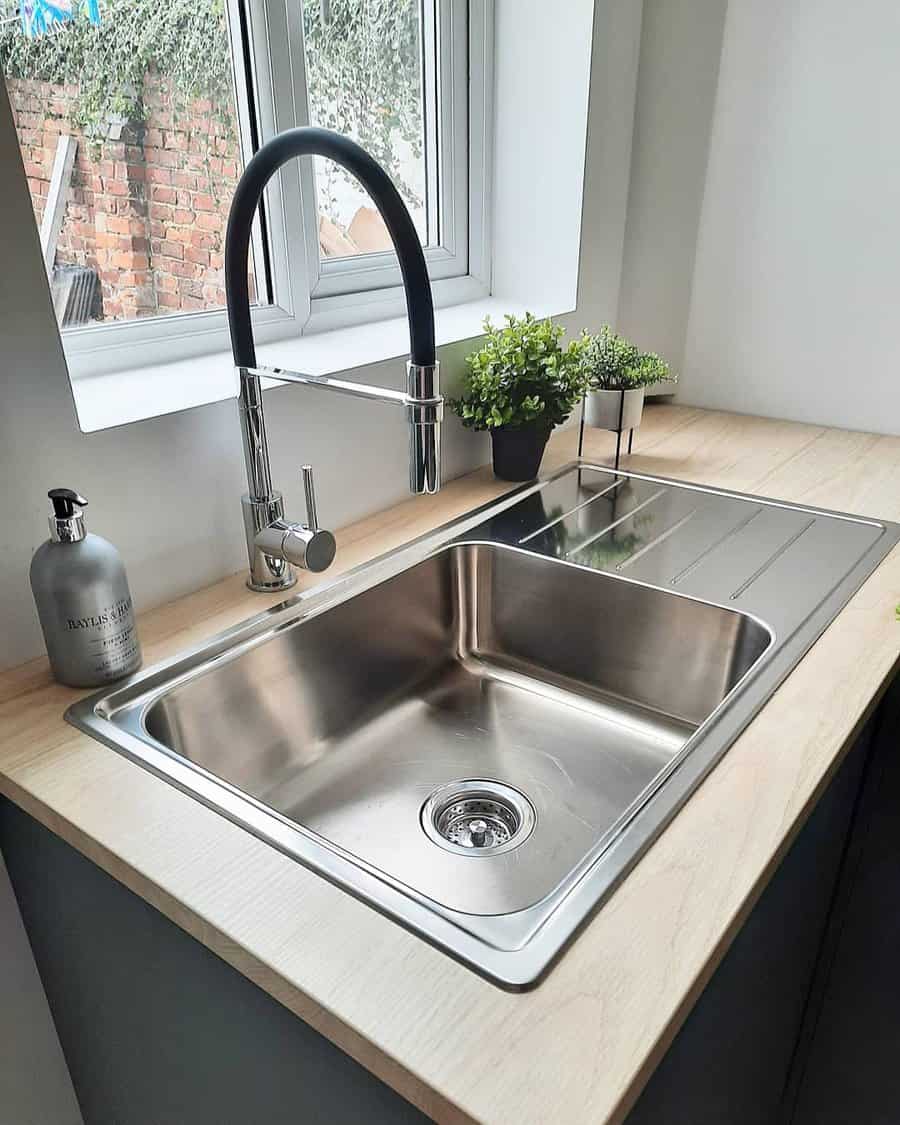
(730, 1063)
(850, 1073)
(157, 1029)
(34, 1081)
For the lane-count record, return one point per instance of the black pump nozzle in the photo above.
(66, 503)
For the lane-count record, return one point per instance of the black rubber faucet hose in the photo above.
(308, 141)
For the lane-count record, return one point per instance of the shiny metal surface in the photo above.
(309, 495)
(478, 817)
(265, 528)
(423, 402)
(276, 545)
(563, 665)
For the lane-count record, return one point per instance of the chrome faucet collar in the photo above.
(425, 411)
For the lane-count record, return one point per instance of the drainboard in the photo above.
(480, 732)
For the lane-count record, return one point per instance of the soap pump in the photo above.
(83, 601)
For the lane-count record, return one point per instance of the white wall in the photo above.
(532, 141)
(35, 1087)
(796, 289)
(166, 491)
(681, 41)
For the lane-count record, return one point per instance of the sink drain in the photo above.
(478, 817)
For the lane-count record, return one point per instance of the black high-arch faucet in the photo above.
(276, 545)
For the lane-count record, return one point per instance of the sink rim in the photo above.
(521, 962)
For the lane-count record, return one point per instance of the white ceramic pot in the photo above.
(601, 409)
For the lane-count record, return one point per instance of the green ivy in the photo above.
(363, 76)
(363, 66)
(185, 40)
(612, 363)
(521, 375)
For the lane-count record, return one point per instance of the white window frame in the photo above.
(309, 295)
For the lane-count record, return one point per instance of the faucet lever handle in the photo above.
(309, 491)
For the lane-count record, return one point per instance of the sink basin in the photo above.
(479, 733)
(482, 662)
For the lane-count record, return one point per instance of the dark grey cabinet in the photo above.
(848, 1069)
(800, 1024)
(156, 1029)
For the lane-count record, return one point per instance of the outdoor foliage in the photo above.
(611, 363)
(363, 67)
(521, 375)
(186, 40)
(363, 74)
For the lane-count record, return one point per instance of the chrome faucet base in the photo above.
(268, 572)
(288, 580)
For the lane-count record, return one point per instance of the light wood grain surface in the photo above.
(580, 1046)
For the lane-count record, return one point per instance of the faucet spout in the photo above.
(270, 561)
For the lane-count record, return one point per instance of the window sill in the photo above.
(117, 398)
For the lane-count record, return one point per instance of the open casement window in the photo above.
(135, 118)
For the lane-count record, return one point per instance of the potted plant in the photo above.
(519, 385)
(611, 365)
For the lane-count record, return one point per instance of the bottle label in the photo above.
(113, 615)
(108, 639)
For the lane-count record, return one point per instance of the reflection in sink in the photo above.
(481, 732)
(482, 661)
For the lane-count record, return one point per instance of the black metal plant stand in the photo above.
(618, 432)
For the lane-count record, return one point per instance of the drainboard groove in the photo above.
(606, 530)
(584, 503)
(683, 573)
(659, 539)
(771, 559)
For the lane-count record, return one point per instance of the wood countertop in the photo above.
(580, 1046)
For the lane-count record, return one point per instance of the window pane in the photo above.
(364, 69)
(145, 89)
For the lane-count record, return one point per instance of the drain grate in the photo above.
(478, 817)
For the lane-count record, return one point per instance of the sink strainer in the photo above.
(478, 817)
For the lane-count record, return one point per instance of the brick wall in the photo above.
(147, 206)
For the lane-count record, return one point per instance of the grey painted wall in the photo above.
(795, 291)
(681, 41)
(35, 1088)
(166, 491)
(760, 247)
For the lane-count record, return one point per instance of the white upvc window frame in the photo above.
(308, 295)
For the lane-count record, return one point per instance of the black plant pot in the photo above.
(518, 451)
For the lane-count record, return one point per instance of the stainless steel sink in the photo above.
(482, 662)
(480, 732)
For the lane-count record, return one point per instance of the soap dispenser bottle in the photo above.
(83, 600)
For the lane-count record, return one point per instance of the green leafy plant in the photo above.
(363, 65)
(522, 375)
(611, 363)
(185, 40)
